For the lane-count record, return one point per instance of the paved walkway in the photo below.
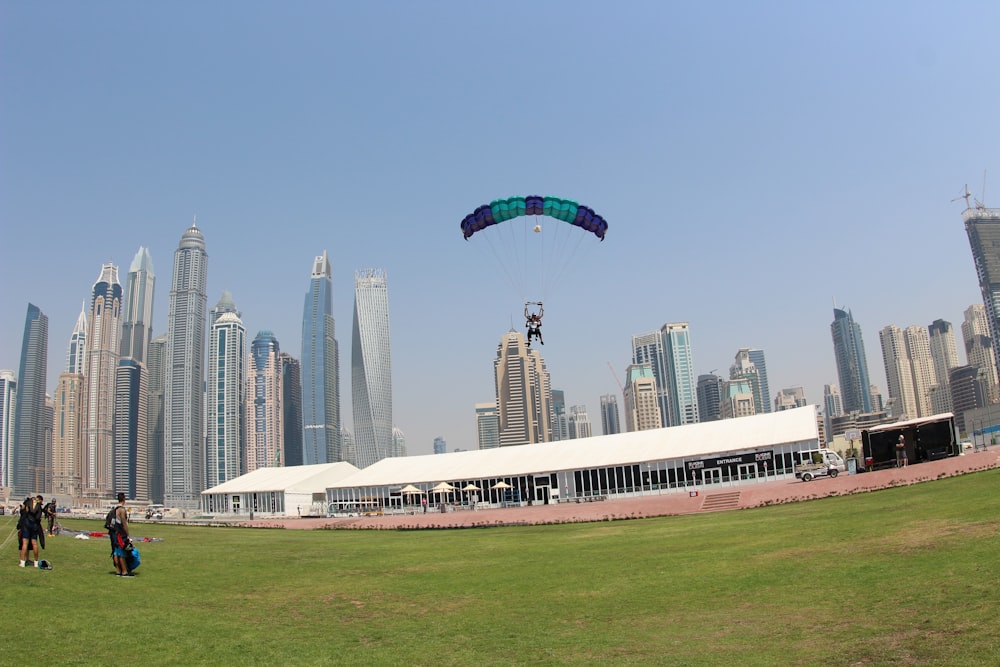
(718, 498)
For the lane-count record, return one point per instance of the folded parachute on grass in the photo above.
(501, 210)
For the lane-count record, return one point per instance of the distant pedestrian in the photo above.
(901, 452)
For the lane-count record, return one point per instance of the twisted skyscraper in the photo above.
(371, 368)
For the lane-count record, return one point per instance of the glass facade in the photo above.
(371, 368)
(320, 369)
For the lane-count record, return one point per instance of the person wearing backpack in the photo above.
(28, 528)
(117, 524)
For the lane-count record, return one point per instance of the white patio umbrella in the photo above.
(410, 490)
(468, 488)
(501, 485)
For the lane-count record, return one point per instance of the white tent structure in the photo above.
(660, 460)
(284, 491)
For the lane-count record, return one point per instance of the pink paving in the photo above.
(750, 494)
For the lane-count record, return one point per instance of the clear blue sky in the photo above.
(755, 162)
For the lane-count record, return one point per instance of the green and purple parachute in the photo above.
(501, 210)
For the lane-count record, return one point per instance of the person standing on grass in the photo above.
(28, 528)
(120, 539)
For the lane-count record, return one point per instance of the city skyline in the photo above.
(817, 147)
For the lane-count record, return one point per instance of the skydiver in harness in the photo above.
(533, 321)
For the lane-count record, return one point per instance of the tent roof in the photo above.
(695, 440)
(303, 479)
(910, 422)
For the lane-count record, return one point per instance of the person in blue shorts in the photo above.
(120, 539)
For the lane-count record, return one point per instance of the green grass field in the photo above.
(905, 576)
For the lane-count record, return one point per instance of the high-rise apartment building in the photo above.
(347, 445)
(291, 404)
(264, 416)
(667, 352)
(737, 399)
(979, 348)
(909, 370)
(28, 475)
(440, 446)
(524, 392)
(852, 363)
(560, 421)
(320, 370)
(709, 392)
(579, 422)
(983, 228)
(137, 315)
(184, 376)
(103, 344)
(67, 456)
(487, 425)
(76, 355)
(642, 411)
(789, 399)
(225, 395)
(744, 368)
(156, 366)
(8, 400)
(130, 452)
(944, 353)
(832, 405)
(371, 368)
(610, 418)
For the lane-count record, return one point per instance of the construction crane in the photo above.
(616, 378)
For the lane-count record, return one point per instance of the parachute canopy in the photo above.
(501, 210)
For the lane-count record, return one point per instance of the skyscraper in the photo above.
(709, 392)
(29, 473)
(440, 446)
(76, 355)
(8, 400)
(67, 457)
(983, 228)
(265, 427)
(130, 470)
(744, 368)
(225, 438)
(103, 344)
(154, 418)
(398, 442)
(979, 348)
(610, 419)
(184, 378)
(641, 407)
(852, 364)
(137, 318)
(524, 392)
(487, 425)
(560, 421)
(757, 358)
(909, 370)
(789, 399)
(579, 422)
(371, 368)
(667, 352)
(291, 405)
(320, 370)
(945, 356)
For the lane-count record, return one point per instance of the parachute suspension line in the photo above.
(502, 264)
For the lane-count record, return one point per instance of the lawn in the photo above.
(904, 576)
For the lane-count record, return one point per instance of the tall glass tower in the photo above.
(28, 474)
(610, 419)
(983, 228)
(184, 376)
(76, 355)
(103, 345)
(227, 360)
(291, 408)
(852, 364)
(137, 319)
(321, 442)
(371, 368)
(154, 417)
